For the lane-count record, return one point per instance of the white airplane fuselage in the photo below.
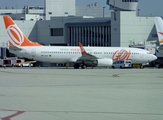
(59, 54)
(20, 45)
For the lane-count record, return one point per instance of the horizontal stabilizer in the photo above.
(14, 48)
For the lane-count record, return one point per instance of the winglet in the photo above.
(16, 36)
(81, 48)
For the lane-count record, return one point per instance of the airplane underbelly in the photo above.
(139, 60)
(19, 53)
(52, 59)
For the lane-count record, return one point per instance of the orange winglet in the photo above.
(81, 48)
(16, 36)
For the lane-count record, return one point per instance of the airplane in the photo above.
(159, 28)
(81, 56)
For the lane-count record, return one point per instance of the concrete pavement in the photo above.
(90, 94)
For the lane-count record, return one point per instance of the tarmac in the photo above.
(89, 94)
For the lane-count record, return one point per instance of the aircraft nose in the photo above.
(154, 57)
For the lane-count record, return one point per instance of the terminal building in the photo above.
(65, 24)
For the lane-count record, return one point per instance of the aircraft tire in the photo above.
(141, 66)
(83, 66)
(76, 66)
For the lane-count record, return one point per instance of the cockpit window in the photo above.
(149, 52)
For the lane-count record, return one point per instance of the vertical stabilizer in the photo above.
(16, 36)
(159, 28)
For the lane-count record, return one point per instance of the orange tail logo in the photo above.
(16, 36)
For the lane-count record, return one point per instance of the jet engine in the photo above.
(104, 62)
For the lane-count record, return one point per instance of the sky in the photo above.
(151, 7)
(147, 7)
(21, 3)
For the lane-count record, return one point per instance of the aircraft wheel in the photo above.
(141, 66)
(83, 66)
(76, 66)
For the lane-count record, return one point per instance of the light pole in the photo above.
(138, 12)
(104, 12)
(114, 5)
(114, 11)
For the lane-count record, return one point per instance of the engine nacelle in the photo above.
(104, 62)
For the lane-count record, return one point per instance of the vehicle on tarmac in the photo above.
(24, 64)
(122, 64)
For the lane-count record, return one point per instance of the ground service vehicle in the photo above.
(122, 64)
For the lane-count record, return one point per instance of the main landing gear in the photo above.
(77, 65)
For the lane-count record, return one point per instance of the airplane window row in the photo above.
(88, 52)
(69, 52)
(63, 52)
(119, 53)
(149, 53)
(97, 52)
(129, 0)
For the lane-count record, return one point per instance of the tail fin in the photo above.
(159, 28)
(16, 36)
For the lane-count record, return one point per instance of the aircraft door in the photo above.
(33, 53)
(141, 55)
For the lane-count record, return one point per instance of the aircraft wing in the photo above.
(85, 55)
(87, 59)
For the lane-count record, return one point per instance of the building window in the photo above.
(129, 0)
(115, 29)
(56, 32)
(50, 13)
